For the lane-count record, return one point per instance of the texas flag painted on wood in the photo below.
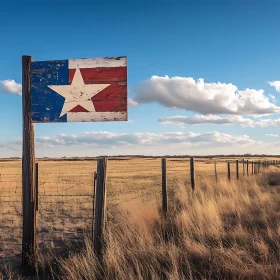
(79, 90)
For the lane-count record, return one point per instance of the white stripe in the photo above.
(96, 116)
(97, 62)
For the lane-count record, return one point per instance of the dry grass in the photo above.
(222, 231)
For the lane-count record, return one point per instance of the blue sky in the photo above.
(234, 43)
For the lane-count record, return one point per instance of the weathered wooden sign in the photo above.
(79, 90)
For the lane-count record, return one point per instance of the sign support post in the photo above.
(28, 170)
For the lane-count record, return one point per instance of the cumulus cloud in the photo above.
(132, 103)
(10, 86)
(205, 98)
(276, 85)
(214, 119)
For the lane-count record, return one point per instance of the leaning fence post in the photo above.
(164, 186)
(237, 170)
(228, 170)
(100, 205)
(215, 170)
(192, 172)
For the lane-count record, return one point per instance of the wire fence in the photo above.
(66, 194)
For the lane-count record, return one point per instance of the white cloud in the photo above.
(131, 103)
(10, 86)
(103, 138)
(275, 84)
(272, 135)
(205, 98)
(214, 119)
(207, 119)
(272, 98)
(167, 143)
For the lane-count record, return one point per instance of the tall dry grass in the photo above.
(224, 230)
(228, 230)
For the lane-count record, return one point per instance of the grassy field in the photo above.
(209, 235)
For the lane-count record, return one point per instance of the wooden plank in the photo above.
(37, 185)
(96, 116)
(164, 187)
(98, 62)
(100, 206)
(28, 171)
(64, 94)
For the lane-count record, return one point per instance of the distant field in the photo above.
(66, 190)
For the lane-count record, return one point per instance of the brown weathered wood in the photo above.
(247, 167)
(215, 171)
(237, 169)
(243, 163)
(252, 167)
(100, 206)
(28, 171)
(37, 186)
(93, 200)
(192, 172)
(228, 169)
(164, 186)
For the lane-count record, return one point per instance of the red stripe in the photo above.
(94, 75)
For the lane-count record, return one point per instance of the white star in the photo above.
(78, 93)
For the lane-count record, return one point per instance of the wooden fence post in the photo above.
(237, 169)
(247, 167)
(100, 206)
(37, 185)
(215, 170)
(93, 200)
(228, 170)
(252, 167)
(28, 171)
(192, 172)
(243, 163)
(259, 166)
(164, 186)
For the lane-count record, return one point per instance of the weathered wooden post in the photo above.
(192, 172)
(100, 205)
(215, 171)
(37, 186)
(247, 167)
(252, 167)
(237, 169)
(28, 171)
(93, 200)
(259, 166)
(228, 170)
(243, 163)
(164, 186)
